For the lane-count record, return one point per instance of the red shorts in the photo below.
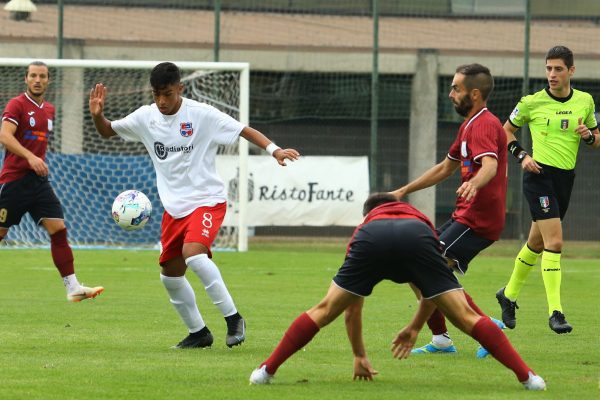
(201, 226)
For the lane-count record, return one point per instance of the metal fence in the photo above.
(337, 77)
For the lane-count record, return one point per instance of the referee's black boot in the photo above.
(508, 309)
(558, 323)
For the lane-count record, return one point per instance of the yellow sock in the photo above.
(552, 277)
(524, 263)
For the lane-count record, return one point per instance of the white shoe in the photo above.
(260, 376)
(84, 292)
(534, 382)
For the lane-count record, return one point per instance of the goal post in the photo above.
(87, 171)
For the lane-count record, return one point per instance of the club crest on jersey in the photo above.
(564, 124)
(31, 121)
(186, 130)
(545, 203)
(463, 149)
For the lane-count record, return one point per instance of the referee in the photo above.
(559, 117)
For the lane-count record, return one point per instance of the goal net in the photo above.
(87, 171)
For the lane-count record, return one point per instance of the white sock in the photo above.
(442, 340)
(210, 276)
(183, 299)
(71, 283)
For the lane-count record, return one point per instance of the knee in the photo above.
(554, 244)
(535, 244)
(322, 314)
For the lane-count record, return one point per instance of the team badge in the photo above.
(564, 124)
(50, 125)
(463, 149)
(31, 121)
(186, 129)
(545, 203)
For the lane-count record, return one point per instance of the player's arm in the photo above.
(488, 170)
(7, 138)
(256, 137)
(526, 161)
(587, 135)
(406, 338)
(96, 105)
(353, 320)
(432, 176)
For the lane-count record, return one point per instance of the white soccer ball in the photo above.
(131, 210)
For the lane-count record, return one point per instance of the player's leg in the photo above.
(524, 263)
(356, 278)
(551, 230)
(440, 339)
(183, 299)
(303, 330)
(203, 227)
(454, 305)
(460, 245)
(538, 190)
(63, 259)
(47, 211)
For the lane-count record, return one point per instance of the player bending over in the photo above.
(398, 243)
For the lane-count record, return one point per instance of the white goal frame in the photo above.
(244, 110)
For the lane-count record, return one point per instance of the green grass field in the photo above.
(118, 346)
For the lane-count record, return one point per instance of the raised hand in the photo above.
(97, 96)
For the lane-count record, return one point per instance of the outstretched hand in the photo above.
(404, 342)
(467, 190)
(363, 370)
(286, 154)
(97, 96)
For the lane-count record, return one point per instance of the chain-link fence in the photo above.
(312, 69)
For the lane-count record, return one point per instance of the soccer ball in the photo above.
(131, 210)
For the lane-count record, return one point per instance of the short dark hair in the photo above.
(478, 77)
(37, 64)
(561, 52)
(164, 74)
(377, 199)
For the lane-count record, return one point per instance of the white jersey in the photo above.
(183, 148)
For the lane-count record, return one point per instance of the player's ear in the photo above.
(571, 70)
(180, 88)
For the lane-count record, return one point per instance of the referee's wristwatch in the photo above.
(521, 156)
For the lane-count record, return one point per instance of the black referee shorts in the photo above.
(400, 250)
(548, 193)
(30, 194)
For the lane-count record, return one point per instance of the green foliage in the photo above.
(117, 346)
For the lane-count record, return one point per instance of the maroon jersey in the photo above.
(481, 136)
(396, 209)
(34, 124)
